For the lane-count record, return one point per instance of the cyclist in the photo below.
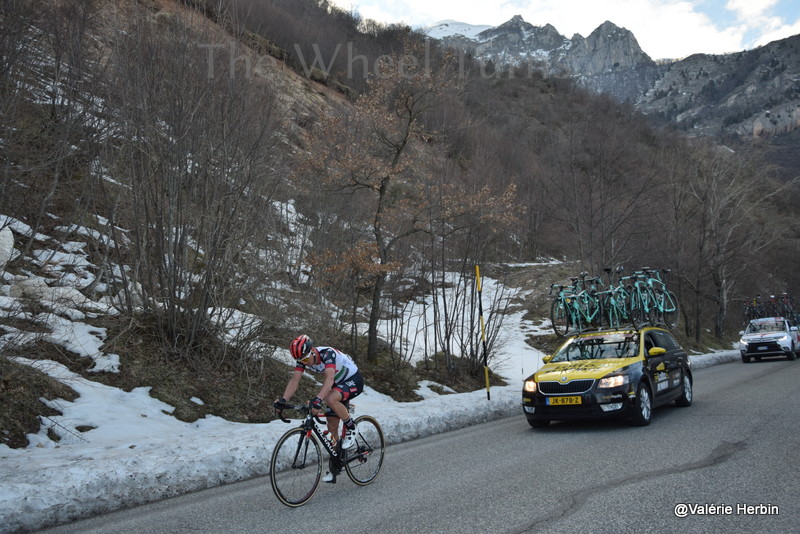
(342, 381)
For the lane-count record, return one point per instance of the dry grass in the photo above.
(21, 388)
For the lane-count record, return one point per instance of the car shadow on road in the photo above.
(662, 413)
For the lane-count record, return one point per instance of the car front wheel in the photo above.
(538, 423)
(643, 406)
(792, 353)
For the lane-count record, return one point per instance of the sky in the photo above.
(137, 452)
(665, 29)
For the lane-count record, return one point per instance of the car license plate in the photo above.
(556, 401)
(762, 348)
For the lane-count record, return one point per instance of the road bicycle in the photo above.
(587, 302)
(651, 301)
(782, 306)
(615, 302)
(641, 300)
(575, 307)
(665, 310)
(753, 309)
(561, 308)
(786, 305)
(295, 469)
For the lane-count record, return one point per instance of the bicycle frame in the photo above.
(311, 424)
(616, 305)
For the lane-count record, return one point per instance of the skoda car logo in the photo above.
(564, 378)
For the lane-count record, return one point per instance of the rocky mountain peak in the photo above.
(517, 42)
(609, 27)
(607, 47)
(752, 93)
(515, 26)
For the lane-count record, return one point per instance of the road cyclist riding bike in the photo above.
(342, 381)
(296, 464)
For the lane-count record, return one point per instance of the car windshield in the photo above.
(601, 346)
(765, 326)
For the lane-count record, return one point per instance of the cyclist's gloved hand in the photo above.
(279, 404)
(315, 403)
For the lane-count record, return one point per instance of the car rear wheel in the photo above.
(686, 395)
(643, 406)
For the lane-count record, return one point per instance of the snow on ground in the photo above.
(119, 449)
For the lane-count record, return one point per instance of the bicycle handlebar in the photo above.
(298, 407)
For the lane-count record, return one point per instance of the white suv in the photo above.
(769, 336)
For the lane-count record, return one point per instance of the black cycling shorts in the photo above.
(350, 388)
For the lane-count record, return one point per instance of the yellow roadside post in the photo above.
(483, 332)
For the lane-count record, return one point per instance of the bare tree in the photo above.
(373, 150)
(198, 145)
(598, 183)
(722, 219)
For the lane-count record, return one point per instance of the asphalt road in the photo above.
(736, 447)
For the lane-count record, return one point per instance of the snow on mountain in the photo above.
(450, 28)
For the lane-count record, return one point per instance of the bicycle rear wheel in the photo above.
(637, 313)
(670, 313)
(559, 317)
(363, 462)
(608, 313)
(296, 467)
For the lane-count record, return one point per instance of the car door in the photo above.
(656, 365)
(662, 366)
(672, 360)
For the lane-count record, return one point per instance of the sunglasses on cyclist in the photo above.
(308, 358)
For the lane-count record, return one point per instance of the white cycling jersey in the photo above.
(344, 364)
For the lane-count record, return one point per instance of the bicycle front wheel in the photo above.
(363, 462)
(296, 467)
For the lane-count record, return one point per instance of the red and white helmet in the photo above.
(300, 347)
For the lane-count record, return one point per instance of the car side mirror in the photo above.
(546, 359)
(656, 351)
(741, 332)
(793, 328)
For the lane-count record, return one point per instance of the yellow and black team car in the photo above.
(619, 373)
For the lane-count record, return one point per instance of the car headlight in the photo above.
(530, 386)
(743, 342)
(613, 381)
